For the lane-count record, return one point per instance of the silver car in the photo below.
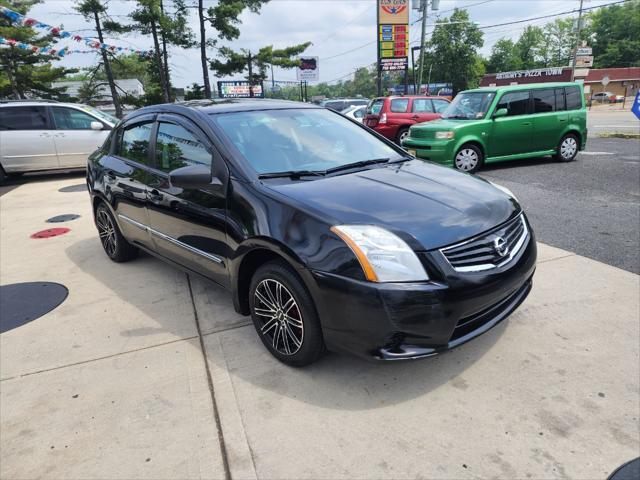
(47, 135)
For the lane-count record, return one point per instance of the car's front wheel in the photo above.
(468, 158)
(284, 315)
(115, 245)
(402, 134)
(568, 148)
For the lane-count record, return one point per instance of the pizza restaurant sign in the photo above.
(538, 72)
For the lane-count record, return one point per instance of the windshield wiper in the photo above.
(292, 174)
(362, 163)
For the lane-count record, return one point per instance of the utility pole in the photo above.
(424, 5)
(575, 50)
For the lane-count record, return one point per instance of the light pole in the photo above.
(575, 50)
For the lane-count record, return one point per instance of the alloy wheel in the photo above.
(466, 159)
(568, 148)
(107, 232)
(403, 135)
(280, 316)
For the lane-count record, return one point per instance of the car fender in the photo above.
(469, 139)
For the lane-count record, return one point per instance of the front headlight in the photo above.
(443, 135)
(504, 189)
(384, 256)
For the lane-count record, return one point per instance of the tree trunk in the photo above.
(107, 69)
(165, 55)
(203, 51)
(163, 79)
(12, 78)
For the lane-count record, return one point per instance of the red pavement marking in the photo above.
(50, 232)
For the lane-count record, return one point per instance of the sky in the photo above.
(342, 32)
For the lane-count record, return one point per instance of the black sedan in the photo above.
(327, 234)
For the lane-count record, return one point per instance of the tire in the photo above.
(114, 244)
(284, 315)
(402, 133)
(468, 158)
(3, 176)
(567, 148)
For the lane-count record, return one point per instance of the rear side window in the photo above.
(375, 107)
(71, 119)
(337, 106)
(399, 105)
(574, 98)
(176, 147)
(422, 105)
(516, 103)
(561, 105)
(134, 142)
(544, 100)
(440, 105)
(23, 118)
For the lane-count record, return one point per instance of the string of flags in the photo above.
(20, 19)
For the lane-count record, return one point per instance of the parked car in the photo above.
(607, 97)
(339, 104)
(355, 112)
(392, 116)
(493, 124)
(47, 135)
(326, 234)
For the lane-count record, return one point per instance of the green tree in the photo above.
(453, 51)
(196, 92)
(25, 73)
(504, 57)
(96, 12)
(529, 46)
(256, 64)
(224, 18)
(559, 39)
(614, 34)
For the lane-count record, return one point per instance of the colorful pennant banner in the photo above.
(9, 42)
(20, 19)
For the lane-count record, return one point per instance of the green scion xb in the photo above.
(493, 124)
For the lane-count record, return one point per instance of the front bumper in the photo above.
(433, 150)
(396, 321)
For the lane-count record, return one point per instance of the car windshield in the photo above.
(295, 140)
(100, 114)
(468, 106)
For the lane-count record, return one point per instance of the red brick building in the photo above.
(622, 81)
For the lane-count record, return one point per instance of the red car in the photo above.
(392, 116)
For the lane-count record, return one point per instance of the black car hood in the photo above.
(427, 205)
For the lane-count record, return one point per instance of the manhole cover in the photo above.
(81, 187)
(628, 471)
(63, 218)
(50, 232)
(21, 303)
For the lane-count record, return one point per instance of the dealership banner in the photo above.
(308, 70)
(239, 89)
(393, 34)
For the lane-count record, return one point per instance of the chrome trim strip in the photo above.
(488, 266)
(170, 239)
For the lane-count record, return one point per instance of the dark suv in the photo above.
(326, 234)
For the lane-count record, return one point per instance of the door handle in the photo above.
(415, 117)
(526, 124)
(45, 134)
(563, 119)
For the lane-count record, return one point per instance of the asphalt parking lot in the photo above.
(144, 372)
(590, 206)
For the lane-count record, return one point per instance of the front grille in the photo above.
(421, 133)
(490, 250)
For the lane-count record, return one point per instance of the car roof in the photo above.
(224, 105)
(35, 103)
(523, 86)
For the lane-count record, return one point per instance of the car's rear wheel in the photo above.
(114, 244)
(284, 315)
(468, 158)
(567, 148)
(3, 176)
(402, 134)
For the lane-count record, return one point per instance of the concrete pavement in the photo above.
(114, 382)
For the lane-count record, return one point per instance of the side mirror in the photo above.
(97, 126)
(501, 112)
(192, 176)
